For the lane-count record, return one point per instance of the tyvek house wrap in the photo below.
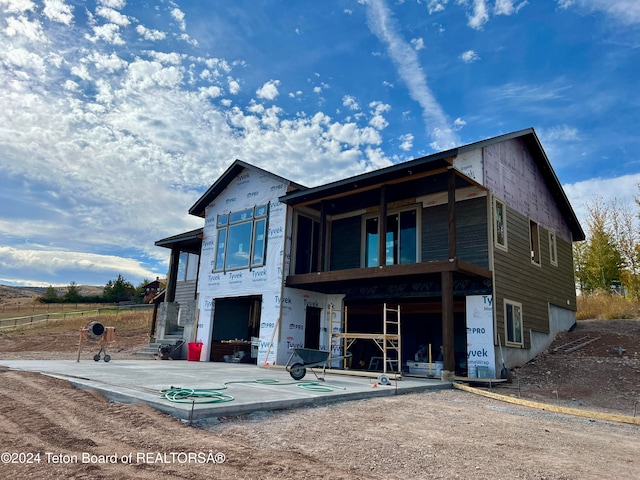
(247, 190)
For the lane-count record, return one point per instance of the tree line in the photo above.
(115, 291)
(608, 261)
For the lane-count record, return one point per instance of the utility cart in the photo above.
(310, 358)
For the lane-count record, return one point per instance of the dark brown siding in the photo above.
(516, 278)
(345, 243)
(471, 232)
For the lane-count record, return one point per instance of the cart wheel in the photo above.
(297, 371)
(107, 358)
(96, 357)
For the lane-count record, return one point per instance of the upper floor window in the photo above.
(534, 236)
(500, 224)
(241, 239)
(307, 241)
(401, 238)
(553, 248)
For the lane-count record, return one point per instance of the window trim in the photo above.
(553, 248)
(534, 242)
(226, 221)
(512, 342)
(395, 211)
(502, 246)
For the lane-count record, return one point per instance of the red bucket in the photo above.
(193, 352)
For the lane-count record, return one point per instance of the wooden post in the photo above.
(447, 322)
(170, 296)
(451, 209)
(382, 228)
(322, 237)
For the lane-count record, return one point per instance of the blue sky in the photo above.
(115, 116)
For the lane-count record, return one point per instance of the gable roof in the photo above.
(198, 208)
(443, 160)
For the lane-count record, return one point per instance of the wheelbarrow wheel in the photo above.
(297, 371)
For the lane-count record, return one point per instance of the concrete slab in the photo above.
(252, 388)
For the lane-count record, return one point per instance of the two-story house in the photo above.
(454, 255)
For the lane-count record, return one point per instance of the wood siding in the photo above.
(345, 243)
(471, 232)
(517, 279)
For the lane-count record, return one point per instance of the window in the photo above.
(401, 239)
(553, 248)
(513, 322)
(535, 242)
(241, 239)
(500, 224)
(308, 236)
(187, 267)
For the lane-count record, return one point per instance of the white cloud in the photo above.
(51, 261)
(109, 32)
(384, 26)
(623, 189)
(436, 5)
(150, 34)
(269, 90)
(350, 102)
(234, 86)
(480, 14)
(178, 15)
(507, 7)
(113, 16)
(406, 142)
(17, 6)
(21, 25)
(562, 133)
(417, 44)
(624, 11)
(58, 11)
(458, 124)
(469, 56)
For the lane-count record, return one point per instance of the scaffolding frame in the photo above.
(388, 341)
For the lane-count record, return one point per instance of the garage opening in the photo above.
(421, 332)
(236, 321)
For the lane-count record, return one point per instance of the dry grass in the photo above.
(602, 306)
(126, 323)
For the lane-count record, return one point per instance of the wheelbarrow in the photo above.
(310, 358)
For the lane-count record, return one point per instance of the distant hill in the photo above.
(11, 294)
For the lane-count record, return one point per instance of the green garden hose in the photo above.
(215, 395)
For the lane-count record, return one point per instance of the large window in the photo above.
(513, 322)
(401, 238)
(241, 239)
(500, 224)
(307, 241)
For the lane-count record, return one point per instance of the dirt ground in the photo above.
(50, 429)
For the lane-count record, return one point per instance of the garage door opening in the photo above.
(235, 322)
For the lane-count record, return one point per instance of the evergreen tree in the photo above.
(50, 295)
(72, 294)
(118, 290)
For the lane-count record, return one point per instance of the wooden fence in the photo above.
(62, 314)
